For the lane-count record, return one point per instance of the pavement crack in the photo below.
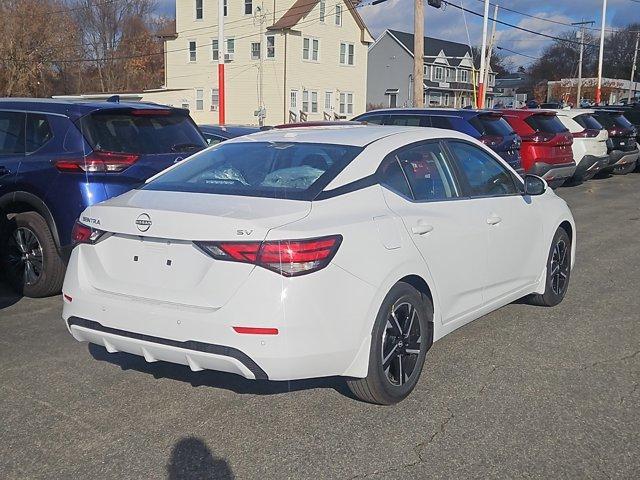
(612, 360)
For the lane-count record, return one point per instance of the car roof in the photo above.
(573, 112)
(458, 112)
(354, 135)
(69, 107)
(526, 112)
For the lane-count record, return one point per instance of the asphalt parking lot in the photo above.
(524, 392)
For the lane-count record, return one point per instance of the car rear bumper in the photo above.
(590, 165)
(621, 158)
(553, 172)
(320, 331)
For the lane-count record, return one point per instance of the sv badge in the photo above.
(244, 232)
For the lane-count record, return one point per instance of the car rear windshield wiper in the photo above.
(186, 147)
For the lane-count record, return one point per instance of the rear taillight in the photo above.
(587, 133)
(150, 112)
(538, 137)
(83, 234)
(98, 162)
(621, 132)
(286, 257)
(492, 140)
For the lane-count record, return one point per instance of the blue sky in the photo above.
(450, 22)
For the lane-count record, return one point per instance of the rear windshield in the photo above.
(122, 131)
(604, 119)
(622, 122)
(546, 124)
(296, 171)
(491, 125)
(633, 115)
(586, 121)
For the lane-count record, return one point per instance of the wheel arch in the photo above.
(20, 202)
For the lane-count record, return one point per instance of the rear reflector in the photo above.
(98, 162)
(256, 331)
(286, 257)
(67, 298)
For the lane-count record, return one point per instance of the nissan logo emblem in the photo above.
(143, 222)
(178, 159)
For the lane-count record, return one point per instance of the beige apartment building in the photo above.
(287, 60)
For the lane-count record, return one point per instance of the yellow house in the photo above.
(285, 60)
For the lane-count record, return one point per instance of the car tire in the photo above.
(624, 169)
(404, 343)
(557, 281)
(30, 241)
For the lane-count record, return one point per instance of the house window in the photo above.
(214, 50)
(199, 99)
(438, 73)
(215, 98)
(451, 74)
(231, 45)
(427, 71)
(305, 101)
(314, 102)
(310, 47)
(323, 8)
(248, 7)
(192, 51)
(463, 76)
(346, 103)
(328, 100)
(293, 99)
(255, 50)
(198, 9)
(346, 53)
(185, 106)
(271, 46)
(339, 15)
(446, 99)
(224, 8)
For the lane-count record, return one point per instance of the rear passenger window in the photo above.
(373, 119)
(12, 133)
(439, 122)
(546, 123)
(424, 169)
(486, 177)
(407, 120)
(38, 132)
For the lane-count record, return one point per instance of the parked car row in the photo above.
(307, 251)
(559, 145)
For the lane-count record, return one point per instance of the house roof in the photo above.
(301, 8)
(433, 47)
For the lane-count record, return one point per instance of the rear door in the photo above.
(448, 230)
(511, 220)
(12, 127)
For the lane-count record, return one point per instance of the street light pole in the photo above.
(483, 53)
(580, 35)
(222, 48)
(418, 54)
(600, 55)
(633, 67)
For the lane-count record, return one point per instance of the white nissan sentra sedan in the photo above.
(320, 251)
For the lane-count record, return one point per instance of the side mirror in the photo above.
(534, 185)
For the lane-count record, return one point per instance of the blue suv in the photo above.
(487, 126)
(58, 157)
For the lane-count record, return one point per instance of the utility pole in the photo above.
(633, 67)
(483, 52)
(418, 54)
(490, 51)
(260, 18)
(600, 55)
(222, 49)
(580, 35)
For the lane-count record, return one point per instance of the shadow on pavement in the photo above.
(7, 296)
(191, 459)
(210, 378)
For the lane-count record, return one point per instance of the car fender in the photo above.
(36, 204)
(360, 365)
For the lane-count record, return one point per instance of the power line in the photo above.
(552, 37)
(517, 53)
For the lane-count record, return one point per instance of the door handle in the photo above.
(494, 220)
(421, 229)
